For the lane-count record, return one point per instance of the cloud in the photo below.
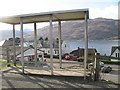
(96, 9)
(107, 12)
(15, 7)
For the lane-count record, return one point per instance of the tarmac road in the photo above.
(114, 75)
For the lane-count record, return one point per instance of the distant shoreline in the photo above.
(93, 40)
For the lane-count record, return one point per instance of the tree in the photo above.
(17, 40)
(41, 41)
(11, 39)
(57, 40)
(46, 39)
(40, 38)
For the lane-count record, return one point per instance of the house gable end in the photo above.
(114, 49)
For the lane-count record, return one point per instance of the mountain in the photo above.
(5, 34)
(98, 29)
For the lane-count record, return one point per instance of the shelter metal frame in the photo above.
(66, 15)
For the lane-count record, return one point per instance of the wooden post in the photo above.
(8, 56)
(86, 46)
(51, 44)
(22, 50)
(14, 48)
(60, 46)
(35, 43)
(97, 69)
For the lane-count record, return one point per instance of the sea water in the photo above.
(102, 46)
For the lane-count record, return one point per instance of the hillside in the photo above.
(98, 29)
(5, 34)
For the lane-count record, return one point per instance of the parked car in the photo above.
(107, 69)
(92, 65)
(70, 57)
(101, 64)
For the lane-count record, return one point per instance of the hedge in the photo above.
(110, 62)
(105, 61)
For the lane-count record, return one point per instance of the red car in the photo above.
(70, 57)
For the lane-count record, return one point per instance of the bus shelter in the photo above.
(55, 16)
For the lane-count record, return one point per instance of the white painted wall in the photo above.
(47, 50)
(65, 48)
(1, 57)
(114, 55)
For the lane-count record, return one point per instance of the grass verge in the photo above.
(3, 64)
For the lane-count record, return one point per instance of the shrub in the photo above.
(80, 59)
(110, 62)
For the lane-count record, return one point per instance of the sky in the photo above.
(97, 8)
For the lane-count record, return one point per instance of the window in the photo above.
(56, 52)
(65, 45)
(116, 55)
(48, 51)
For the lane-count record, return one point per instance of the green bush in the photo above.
(110, 62)
(80, 59)
(57, 57)
(47, 56)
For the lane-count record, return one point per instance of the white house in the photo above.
(47, 50)
(115, 52)
(65, 48)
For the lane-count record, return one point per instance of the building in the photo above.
(65, 48)
(80, 52)
(115, 52)
(46, 48)
(1, 48)
(29, 54)
(7, 49)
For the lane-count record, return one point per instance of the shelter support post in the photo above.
(97, 68)
(14, 48)
(22, 48)
(60, 47)
(95, 60)
(86, 46)
(51, 44)
(43, 55)
(8, 56)
(35, 42)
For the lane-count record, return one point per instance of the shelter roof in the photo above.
(77, 14)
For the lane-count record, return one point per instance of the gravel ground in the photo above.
(12, 80)
(36, 81)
